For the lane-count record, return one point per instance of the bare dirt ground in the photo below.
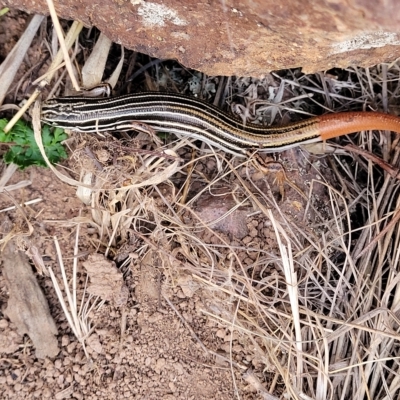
(156, 357)
(141, 349)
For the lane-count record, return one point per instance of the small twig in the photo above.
(27, 203)
(381, 234)
(392, 171)
(186, 325)
(90, 154)
(207, 351)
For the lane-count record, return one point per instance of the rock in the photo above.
(216, 211)
(236, 37)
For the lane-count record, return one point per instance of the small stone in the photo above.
(65, 341)
(221, 333)
(93, 342)
(159, 365)
(3, 323)
(172, 387)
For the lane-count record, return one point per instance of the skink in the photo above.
(183, 115)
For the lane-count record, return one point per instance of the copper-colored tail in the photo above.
(334, 125)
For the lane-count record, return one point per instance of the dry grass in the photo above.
(320, 314)
(325, 326)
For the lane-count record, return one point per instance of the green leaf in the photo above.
(60, 135)
(3, 123)
(25, 151)
(3, 137)
(4, 10)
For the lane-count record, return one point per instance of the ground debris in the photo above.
(106, 280)
(27, 307)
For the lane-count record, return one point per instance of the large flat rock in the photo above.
(236, 37)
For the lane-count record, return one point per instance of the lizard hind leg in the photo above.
(278, 170)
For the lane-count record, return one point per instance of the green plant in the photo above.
(24, 150)
(4, 10)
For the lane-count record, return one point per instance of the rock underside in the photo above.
(236, 37)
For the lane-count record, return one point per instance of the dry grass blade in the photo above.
(69, 40)
(92, 71)
(10, 65)
(6, 175)
(27, 203)
(113, 79)
(76, 315)
(63, 43)
(292, 289)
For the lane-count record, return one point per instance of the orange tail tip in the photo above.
(334, 125)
